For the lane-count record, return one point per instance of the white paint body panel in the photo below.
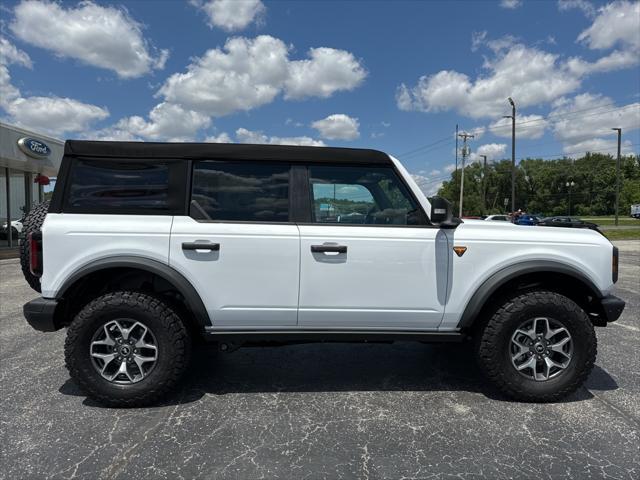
(493, 246)
(252, 281)
(72, 241)
(390, 277)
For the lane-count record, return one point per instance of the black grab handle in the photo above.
(214, 247)
(329, 248)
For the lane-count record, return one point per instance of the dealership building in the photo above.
(27, 160)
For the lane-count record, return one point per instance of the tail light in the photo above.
(614, 265)
(34, 244)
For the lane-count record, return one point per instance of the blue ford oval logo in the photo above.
(34, 148)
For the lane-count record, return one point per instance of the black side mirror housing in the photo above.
(442, 213)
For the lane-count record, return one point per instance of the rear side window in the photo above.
(240, 191)
(123, 186)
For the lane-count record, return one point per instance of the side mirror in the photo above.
(441, 213)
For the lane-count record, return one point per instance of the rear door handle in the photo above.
(212, 247)
(328, 248)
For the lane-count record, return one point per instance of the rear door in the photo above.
(238, 246)
(369, 258)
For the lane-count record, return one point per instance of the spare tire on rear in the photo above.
(32, 223)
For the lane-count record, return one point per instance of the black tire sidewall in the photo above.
(82, 362)
(563, 311)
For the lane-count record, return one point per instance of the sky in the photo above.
(391, 75)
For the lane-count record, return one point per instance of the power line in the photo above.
(572, 114)
(410, 152)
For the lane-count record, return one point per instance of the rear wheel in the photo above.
(127, 349)
(32, 224)
(539, 346)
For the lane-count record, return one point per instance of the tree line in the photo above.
(582, 187)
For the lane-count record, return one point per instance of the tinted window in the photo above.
(242, 191)
(119, 185)
(361, 196)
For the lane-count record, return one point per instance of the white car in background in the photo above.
(16, 228)
(499, 218)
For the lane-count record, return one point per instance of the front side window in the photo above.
(361, 196)
(240, 191)
(123, 185)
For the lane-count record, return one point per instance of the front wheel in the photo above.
(127, 349)
(539, 346)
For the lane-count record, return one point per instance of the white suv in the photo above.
(147, 246)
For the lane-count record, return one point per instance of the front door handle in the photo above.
(212, 247)
(328, 249)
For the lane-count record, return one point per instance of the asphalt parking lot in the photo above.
(320, 411)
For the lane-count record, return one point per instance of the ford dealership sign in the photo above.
(34, 148)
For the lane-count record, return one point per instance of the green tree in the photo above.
(584, 186)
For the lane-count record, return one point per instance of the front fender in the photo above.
(501, 277)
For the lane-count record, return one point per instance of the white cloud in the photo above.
(54, 115)
(428, 184)
(511, 4)
(231, 15)
(248, 136)
(338, 127)
(583, 123)
(616, 60)
(586, 7)
(493, 151)
(248, 73)
(449, 168)
(166, 122)
(105, 37)
(220, 138)
(529, 75)
(10, 54)
(327, 71)
(598, 145)
(617, 23)
(244, 75)
(527, 126)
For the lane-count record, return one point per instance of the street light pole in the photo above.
(513, 153)
(570, 185)
(619, 130)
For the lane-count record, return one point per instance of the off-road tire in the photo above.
(493, 341)
(32, 223)
(174, 348)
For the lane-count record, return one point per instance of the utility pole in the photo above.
(484, 184)
(513, 153)
(619, 130)
(455, 175)
(465, 152)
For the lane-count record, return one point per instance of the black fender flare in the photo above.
(501, 277)
(171, 275)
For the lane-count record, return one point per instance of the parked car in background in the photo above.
(500, 218)
(635, 211)
(527, 220)
(571, 222)
(16, 228)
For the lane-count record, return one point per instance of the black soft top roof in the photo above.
(222, 151)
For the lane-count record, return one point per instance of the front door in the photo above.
(369, 258)
(237, 247)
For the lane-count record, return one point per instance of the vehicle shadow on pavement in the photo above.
(334, 367)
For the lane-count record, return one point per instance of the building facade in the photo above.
(25, 157)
